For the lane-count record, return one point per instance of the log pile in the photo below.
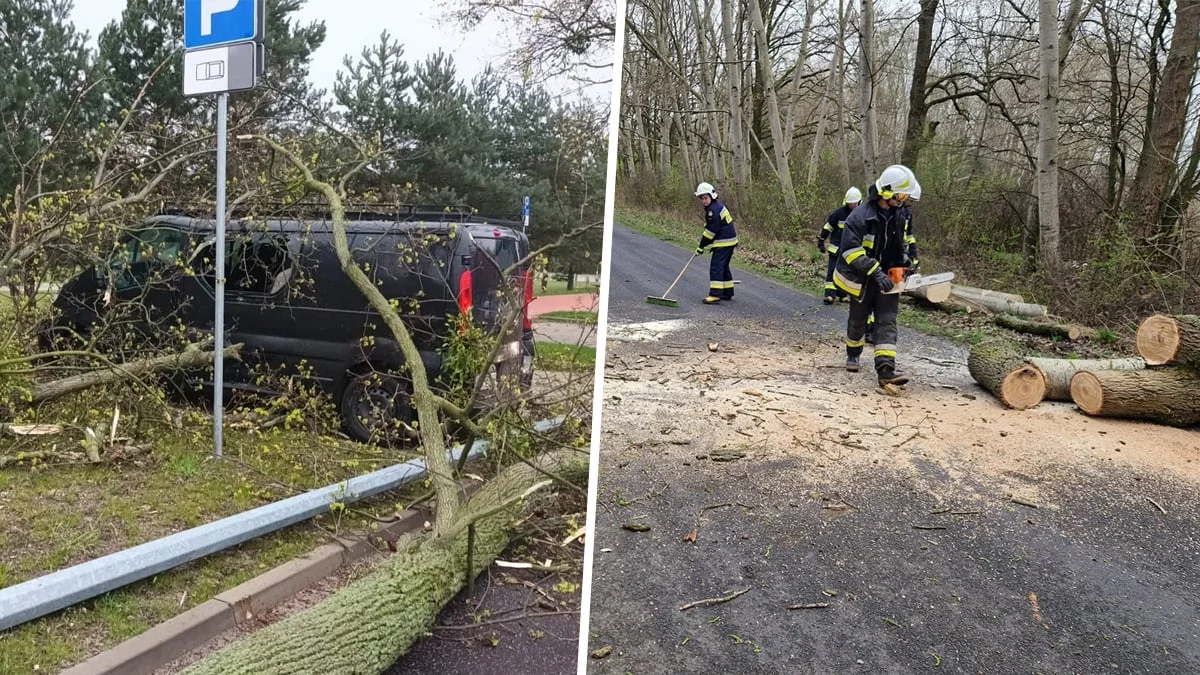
(1158, 385)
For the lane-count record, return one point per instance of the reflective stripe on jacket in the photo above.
(718, 226)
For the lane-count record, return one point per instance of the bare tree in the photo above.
(1047, 181)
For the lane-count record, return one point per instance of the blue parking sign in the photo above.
(207, 23)
(525, 207)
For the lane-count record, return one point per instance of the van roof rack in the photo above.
(397, 213)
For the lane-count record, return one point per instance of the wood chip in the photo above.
(636, 527)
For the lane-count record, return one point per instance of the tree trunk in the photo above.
(1156, 165)
(832, 87)
(973, 291)
(934, 293)
(1000, 305)
(844, 12)
(192, 356)
(1001, 370)
(914, 134)
(793, 103)
(733, 69)
(1166, 395)
(366, 626)
(706, 90)
(1047, 180)
(778, 142)
(1163, 339)
(1059, 372)
(866, 86)
(1059, 330)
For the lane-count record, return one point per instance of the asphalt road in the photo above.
(1096, 580)
(644, 266)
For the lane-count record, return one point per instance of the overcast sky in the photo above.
(353, 24)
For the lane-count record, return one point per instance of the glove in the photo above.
(820, 244)
(914, 265)
(883, 280)
(699, 250)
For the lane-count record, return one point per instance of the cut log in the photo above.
(1164, 339)
(1000, 305)
(1059, 372)
(997, 366)
(985, 293)
(1061, 330)
(1166, 395)
(934, 293)
(192, 356)
(367, 625)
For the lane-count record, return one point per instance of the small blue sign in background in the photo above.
(232, 21)
(525, 207)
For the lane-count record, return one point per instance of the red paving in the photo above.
(584, 302)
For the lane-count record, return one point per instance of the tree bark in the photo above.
(778, 142)
(973, 291)
(866, 86)
(1001, 305)
(733, 70)
(914, 135)
(1059, 330)
(1001, 370)
(1059, 372)
(1156, 165)
(366, 626)
(1165, 395)
(192, 356)
(1164, 339)
(1047, 176)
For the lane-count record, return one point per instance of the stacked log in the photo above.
(1045, 328)
(1003, 371)
(998, 302)
(1164, 339)
(1165, 395)
(1059, 372)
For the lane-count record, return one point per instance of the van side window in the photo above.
(257, 263)
(148, 255)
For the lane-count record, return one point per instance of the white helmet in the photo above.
(852, 195)
(706, 189)
(898, 178)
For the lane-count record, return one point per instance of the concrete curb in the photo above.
(177, 636)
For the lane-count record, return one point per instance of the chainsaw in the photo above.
(917, 280)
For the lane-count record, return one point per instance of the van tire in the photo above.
(371, 406)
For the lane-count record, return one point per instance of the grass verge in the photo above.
(589, 318)
(559, 287)
(564, 357)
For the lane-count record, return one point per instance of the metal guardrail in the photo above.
(58, 590)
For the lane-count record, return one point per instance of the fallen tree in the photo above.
(999, 305)
(934, 293)
(999, 368)
(365, 627)
(1164, 339)
(1059, 372)
(1045, 328)
(194, 355)
(972, 291)
(1166, 395)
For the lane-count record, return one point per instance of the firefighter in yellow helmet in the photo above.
(833, 232)
(873, 242)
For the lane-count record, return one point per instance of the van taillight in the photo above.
(465, 296)
(528, 298)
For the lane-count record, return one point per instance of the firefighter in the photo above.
(873, 242)
(833, 232)
(910, 241)
(720, 234)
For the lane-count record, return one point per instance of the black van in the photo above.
(289, 302)
(509, 246)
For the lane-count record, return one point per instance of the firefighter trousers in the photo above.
(885, 308)
(720, 278)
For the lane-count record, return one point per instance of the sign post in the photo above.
(223, 52)
(525, 214)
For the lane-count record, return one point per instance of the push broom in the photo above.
(664, 300)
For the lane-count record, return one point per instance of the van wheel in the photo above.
(376, 408)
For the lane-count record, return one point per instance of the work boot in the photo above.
(852, 364)
(711, 300)
(889, 375)
(828, 300)
(845, 298)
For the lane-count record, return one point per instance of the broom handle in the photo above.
(685, 266)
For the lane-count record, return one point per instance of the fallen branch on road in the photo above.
(715, 601)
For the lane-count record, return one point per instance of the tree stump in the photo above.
(1001, 370)
(1165, 339)
(1059, 372)
(1166, 395)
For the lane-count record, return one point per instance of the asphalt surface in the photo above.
(935, 571)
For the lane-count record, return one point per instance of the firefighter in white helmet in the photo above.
(832, 231)
(873, 251)
(720, 235)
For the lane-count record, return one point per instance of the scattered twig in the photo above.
(940, 362)
(1023, 502)
(509, 619)
(716, 506)
(1157, 505)
(715, 601)
(892, 621)
(964, 513)
(928, 527)
(811, 605)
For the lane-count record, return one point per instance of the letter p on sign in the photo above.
(210, 7)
